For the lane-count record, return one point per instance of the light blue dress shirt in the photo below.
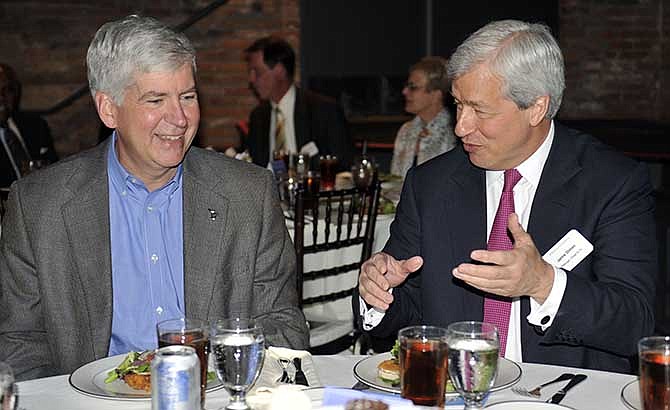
(147, 256)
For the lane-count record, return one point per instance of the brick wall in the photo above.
(617, 56)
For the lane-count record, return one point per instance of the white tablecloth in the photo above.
(601, 390)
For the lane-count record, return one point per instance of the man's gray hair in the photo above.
(132, 45)
(524, 56)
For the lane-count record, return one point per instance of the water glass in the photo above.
(238, 349)
(7, 387)
(473, 360)
(654, 355)
(423, 364)
(188, 332)
(363, 172)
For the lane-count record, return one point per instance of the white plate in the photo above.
(630, 395)
(89, 379)
(520, 405)
(366, 371)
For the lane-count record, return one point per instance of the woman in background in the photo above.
(431, 132)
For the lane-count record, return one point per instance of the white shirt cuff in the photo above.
(371, 317)
(543, 315)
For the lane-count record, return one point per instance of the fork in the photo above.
(535, 393)
(285, 378)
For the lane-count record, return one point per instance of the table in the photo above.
(600, 391)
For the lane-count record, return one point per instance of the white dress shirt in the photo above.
(524, 193)
(287, 107)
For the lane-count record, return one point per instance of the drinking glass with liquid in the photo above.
(188, 332)
(423, 364)
(654, 355)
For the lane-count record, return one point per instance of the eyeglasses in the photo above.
(413, 87)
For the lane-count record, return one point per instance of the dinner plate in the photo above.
(366, 372)
(630, 395)
(89, 379)
(527, 404)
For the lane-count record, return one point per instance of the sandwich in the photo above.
(135, 370)
(389, 370)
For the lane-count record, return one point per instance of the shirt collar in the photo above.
(122, 179)
(531, 168)
(287, 101)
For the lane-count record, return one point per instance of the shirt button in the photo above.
(545, 320)
(124, 193)
(150, 208)
(154, 258)
(159, 310)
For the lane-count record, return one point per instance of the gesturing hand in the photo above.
(382, 272)
(517, 272)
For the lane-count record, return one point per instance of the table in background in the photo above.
(601, 390)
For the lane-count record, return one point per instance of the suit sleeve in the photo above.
(611, 306)
(23, 338)
(403, 243)
(275, 294)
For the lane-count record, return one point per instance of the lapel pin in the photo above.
(212, 214)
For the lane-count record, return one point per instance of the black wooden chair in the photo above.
(326, 221)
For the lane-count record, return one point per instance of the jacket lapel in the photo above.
(86, 218)
(205, 220)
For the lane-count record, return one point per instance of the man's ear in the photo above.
(107, 110)
(538, 110)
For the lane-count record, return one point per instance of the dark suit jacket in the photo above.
(316, 118)
(608, 302)
(55, 259)
(36, 135)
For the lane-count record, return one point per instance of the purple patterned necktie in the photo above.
(496, 311)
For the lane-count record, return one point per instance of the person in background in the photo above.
(431, 132)
(98, 248)
(24, 136)
(539, 229)
(288, 118)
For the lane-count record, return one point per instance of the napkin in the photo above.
(272, 370)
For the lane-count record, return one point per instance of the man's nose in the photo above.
(176, 115)
(465, 123)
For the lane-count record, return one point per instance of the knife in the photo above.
(556, 398)
(300, 377)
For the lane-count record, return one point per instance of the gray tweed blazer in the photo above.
(55, 259)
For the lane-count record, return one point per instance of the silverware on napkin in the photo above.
(300, 377)
(556, 398)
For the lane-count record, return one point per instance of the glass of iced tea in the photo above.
(423, 364)
(654, 354)
(189, 332)
(328, 168)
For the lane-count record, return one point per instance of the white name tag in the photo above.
(569, 251)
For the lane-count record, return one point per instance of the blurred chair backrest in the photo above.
(349, 217)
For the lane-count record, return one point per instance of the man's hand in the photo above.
(517, 272)
(382, 272)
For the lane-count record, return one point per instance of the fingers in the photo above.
(381, 273)
(412, 264)
(520, 237)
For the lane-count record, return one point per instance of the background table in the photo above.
(600, 391)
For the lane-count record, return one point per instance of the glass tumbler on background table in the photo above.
(423, 364)
(238, 349)
(473, 360)
(363, 171)
(654, 355)
(328, 167)
(188, 332)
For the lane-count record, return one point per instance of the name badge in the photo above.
(569, 251)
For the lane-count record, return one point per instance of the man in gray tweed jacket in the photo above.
(86, 272)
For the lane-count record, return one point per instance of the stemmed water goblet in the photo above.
(473, 360)
(238, 348)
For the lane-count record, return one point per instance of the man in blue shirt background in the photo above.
(100, 247)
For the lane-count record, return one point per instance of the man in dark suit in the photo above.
(571, 307)
(100, 247)
(304, 117)
(29, 132)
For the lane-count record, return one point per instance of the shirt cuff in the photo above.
(371, 317)
(543, 315)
